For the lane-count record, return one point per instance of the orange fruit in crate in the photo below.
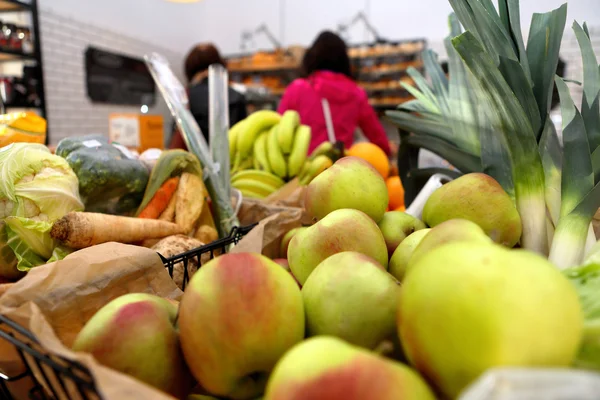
(395, 192)
(373, 155)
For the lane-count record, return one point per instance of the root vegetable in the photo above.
(190, 201)
(206, 234)
(160, 200)
(177, 244)
(79, 230)
(169, 213)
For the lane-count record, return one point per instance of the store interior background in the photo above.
(136, 27)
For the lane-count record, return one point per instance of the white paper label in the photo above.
(125, 130)
(91, 143)
(125, 151)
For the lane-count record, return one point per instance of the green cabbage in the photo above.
(36, 189)
(586, 279)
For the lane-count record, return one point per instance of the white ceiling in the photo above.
(178, 26)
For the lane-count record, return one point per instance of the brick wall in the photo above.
(64, 40)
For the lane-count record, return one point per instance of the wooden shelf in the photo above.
(264, 68)
(7, 55)
(21, 106)
(389, 105)
(386, 55)
(399, 70)
(14, 5)
(384, 89)
(277, 92)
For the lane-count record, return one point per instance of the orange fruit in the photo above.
(401, 208)
(395, 192)
(373, 155)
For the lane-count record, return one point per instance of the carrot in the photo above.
(160, 200)
(79, 230)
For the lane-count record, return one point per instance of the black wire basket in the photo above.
(54, 377)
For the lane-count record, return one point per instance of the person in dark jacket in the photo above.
(196, 72)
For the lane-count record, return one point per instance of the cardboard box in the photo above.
(137, 131)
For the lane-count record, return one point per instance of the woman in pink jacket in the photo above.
(326, 67)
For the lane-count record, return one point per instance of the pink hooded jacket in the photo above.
(348, 103)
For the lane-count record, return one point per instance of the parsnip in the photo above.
(79, 230)
(206, 234)
(190, 201)
(169, 213)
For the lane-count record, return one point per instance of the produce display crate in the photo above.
(61, 376)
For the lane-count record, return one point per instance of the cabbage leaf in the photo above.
(36, 189)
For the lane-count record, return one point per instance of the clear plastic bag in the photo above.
(534, 384)
(217, 182)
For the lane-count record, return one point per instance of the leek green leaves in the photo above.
(496, 109)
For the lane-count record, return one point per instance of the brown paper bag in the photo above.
(54, 302)
(273, 223)
(289, 195)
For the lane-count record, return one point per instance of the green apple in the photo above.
(286, 265)
(396, 226)
(479, 198)
(238, 316)
(454, 230)
(285, 241)
(350, 183)
(341, 230)
(327, 368)
(403, 253)
(467, 307)
(351, 296)
(136, 334)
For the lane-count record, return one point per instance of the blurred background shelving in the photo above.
(379, 67)
(21, 71)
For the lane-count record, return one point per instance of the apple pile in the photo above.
(363, 304)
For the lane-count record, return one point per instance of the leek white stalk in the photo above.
(569, 242)
(549, 228)
(531, 204)
(590, 241)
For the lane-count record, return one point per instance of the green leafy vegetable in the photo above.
(36, 189)
(543, 47)
(501, 100)
(586, 279)
(510, 120)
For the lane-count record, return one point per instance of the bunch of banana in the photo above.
(243, 135)
(320, 159)
(267, 141)
(255, 183)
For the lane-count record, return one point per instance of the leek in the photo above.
(510, 120)
(580, 197)
(498, 101)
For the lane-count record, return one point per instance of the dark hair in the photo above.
(200, 58)
(329, 53)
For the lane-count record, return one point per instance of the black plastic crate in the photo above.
(66, 379)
